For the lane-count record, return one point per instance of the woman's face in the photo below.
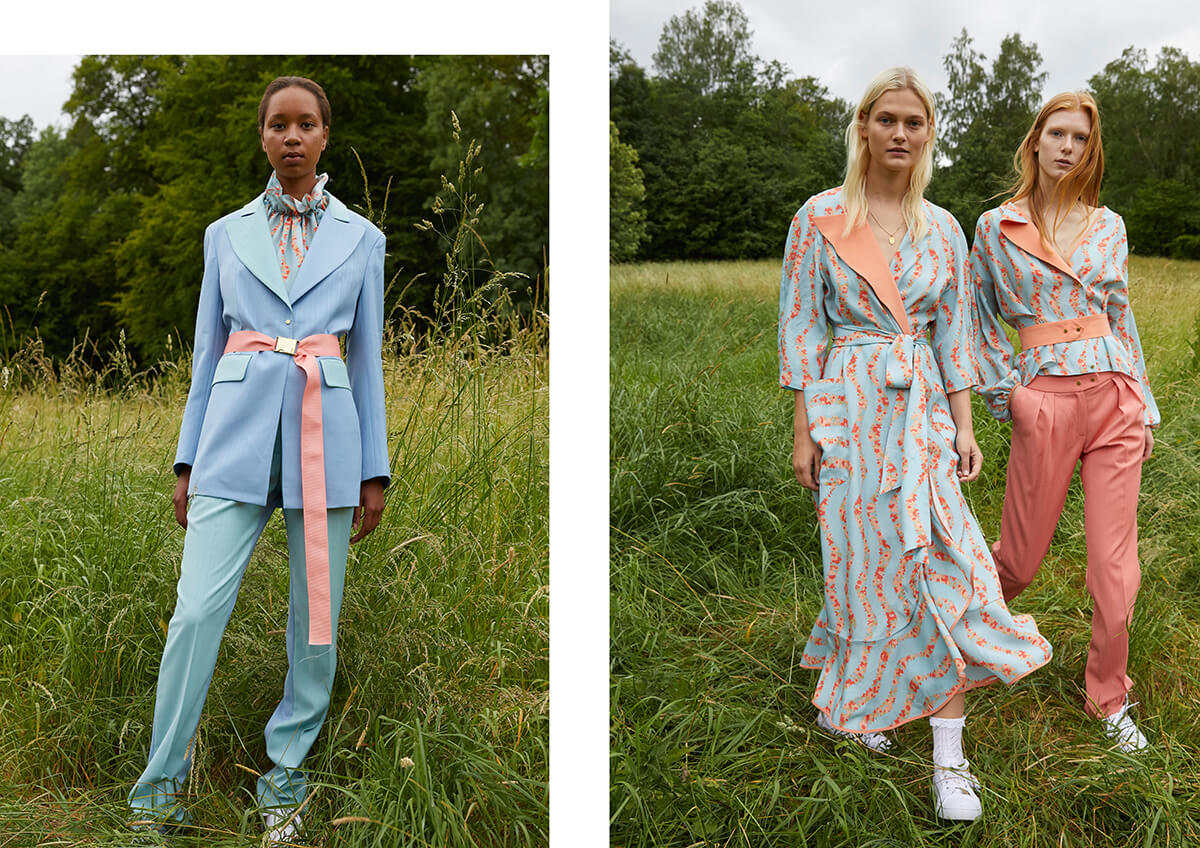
(293, 137)
(1061, 143)
(897, 130)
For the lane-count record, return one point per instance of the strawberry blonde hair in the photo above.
(1081, 183)
(858, 154)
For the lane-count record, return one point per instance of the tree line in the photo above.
(714, 148)
(101, 225)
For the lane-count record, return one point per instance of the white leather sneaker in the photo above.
(1119, 727)
(877, 742)
(281, 826)
(954, 795)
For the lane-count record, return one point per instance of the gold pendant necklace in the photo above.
(892, 235)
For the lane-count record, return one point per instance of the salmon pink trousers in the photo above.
(1097, 421)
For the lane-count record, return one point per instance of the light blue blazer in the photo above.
(238, 402)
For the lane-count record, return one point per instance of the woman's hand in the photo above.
(180, 497)
(970, 458)
(806, 454)
(369, 509)
(1149, 446)
(806, 460)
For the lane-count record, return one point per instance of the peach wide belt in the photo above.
(1070, 330)
(304, 353)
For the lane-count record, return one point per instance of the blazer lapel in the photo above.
(861, 253)
(1024, 234)
(334, 241)
(251, 239)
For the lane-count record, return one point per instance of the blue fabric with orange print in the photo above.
(1016, 285)
(913, 611)
(293, 223)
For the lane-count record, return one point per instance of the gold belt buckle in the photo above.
(285, 345)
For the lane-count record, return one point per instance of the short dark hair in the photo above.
(280, 83)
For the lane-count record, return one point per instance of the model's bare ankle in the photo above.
(952, 708)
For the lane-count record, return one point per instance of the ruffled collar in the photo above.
(279, 201)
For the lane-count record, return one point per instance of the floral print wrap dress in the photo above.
(913, 611)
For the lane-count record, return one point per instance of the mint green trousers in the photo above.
(221, 535)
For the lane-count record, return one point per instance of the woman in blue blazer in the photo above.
(274, 418)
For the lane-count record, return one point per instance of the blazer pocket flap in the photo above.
(231, 367)
(334, 371)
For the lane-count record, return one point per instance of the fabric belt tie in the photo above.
(304, 353)
(907, 430)
(1070, 330)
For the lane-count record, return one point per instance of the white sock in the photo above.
(947, 741)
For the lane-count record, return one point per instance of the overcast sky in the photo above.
(845, 44)
(36, 86)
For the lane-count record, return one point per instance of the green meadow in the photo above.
(438, 730)
(716, 580)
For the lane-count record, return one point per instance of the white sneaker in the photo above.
(954, 795)
(281, 826)
(877, 742)
(1119, 727)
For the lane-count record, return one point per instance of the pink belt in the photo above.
(312, 465)
(1071, 330)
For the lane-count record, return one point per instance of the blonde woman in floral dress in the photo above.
(875, 341)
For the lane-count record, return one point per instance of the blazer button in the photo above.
(288, 321)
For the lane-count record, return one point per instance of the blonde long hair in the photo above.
(1082, 182)
(858, 154)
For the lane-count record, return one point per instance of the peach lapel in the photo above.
(1024, 235)
(861, 253)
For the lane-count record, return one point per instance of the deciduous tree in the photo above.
(981, 120)
(626, 193)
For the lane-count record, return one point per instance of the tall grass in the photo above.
(438, 730)
(716, 580)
